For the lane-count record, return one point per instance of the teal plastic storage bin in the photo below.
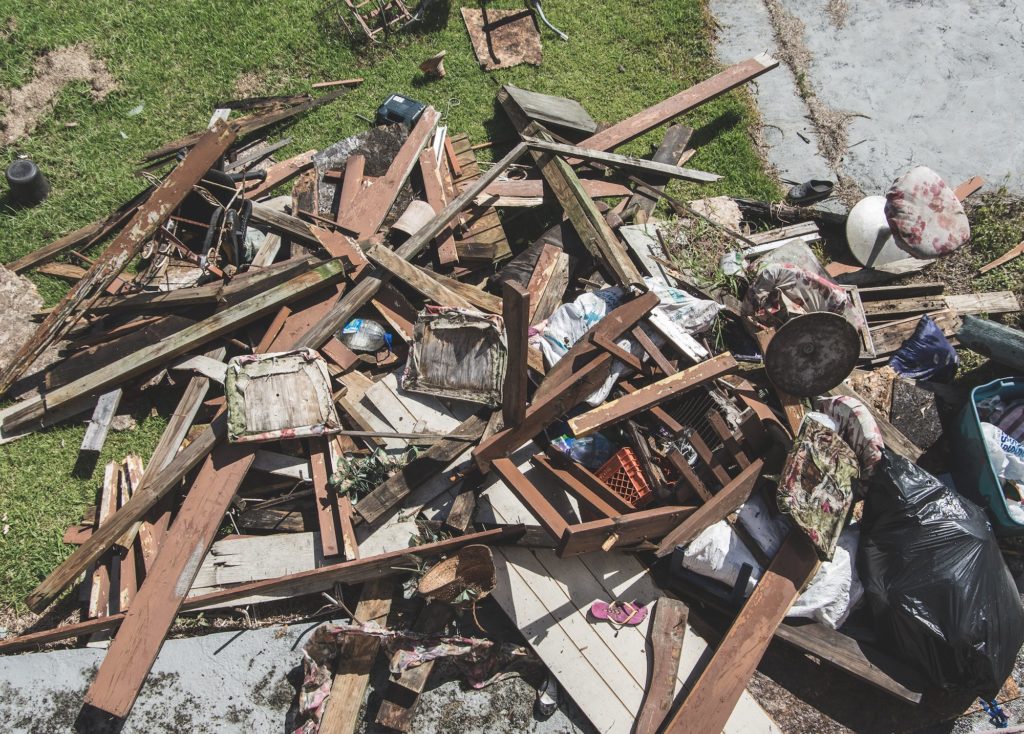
(972, 471)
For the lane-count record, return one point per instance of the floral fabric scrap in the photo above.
(816, 486)
(480, 660)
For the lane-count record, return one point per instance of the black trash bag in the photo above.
(937, 584)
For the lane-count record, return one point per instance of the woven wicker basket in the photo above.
(471, 569)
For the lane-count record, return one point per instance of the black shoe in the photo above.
(809, 192)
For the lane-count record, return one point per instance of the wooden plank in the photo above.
(64, 271)
(99, 424)
(890, 292)
(354, 299)
(543, 272)
(351, 184)
(599, 501)
(677, 137)
(679, 104)
(665, 639)
(350, 572)
(890, 337)
(106, 505)
(389, 493)
(532, 189)
(729, 498)
(220, 293)
(138, 641)
(396, 310)
(480, 299)
(654, 394)
(248, 124)
(355, 661)
(968, 303)
(131, 476)
(187, 339)
(349, 543)
(538, 505)
(434, 192)
(516, 315)
(595, 233)
(968, 187)
(281, 173)
(630, 163)
(326, 507)
(622, 531)
(367, 213)
(1013, 252)
(147, 219)
(402, 694)
(709, 704)
(549, 109)
(81, 239)
(416, 278)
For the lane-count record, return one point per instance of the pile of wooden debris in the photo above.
(393, 366)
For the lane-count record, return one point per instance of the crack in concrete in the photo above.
(831, 125)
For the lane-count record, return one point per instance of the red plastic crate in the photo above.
(623, 475)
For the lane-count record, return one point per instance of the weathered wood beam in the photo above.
(591, 226)
(184, 341)
(729, 498)
(665, 639)
(150, 215)
(679, 104)
(358, 296)
(654, 394)
(639, 165)
(516, 315)
(708, 705)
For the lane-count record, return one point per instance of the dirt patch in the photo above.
(249, 84)
(7, 28)
(831, 124)
(27, 105)
(18, 301)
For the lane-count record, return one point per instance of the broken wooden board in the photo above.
(240, 560)
(503, 38)
(709, 704)
(679, 104)
(482, 226)
(548, 109)
(604, 670)
(654, 394)
(150, 215)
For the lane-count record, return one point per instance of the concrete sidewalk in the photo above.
(936, 82)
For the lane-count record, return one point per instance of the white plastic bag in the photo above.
(718, 553)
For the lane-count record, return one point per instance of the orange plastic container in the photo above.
(623, 475)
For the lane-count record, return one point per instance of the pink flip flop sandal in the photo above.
(619, 613)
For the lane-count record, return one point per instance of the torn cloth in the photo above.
(816, 486)
(478, 659)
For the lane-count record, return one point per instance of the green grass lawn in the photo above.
(178, 58)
